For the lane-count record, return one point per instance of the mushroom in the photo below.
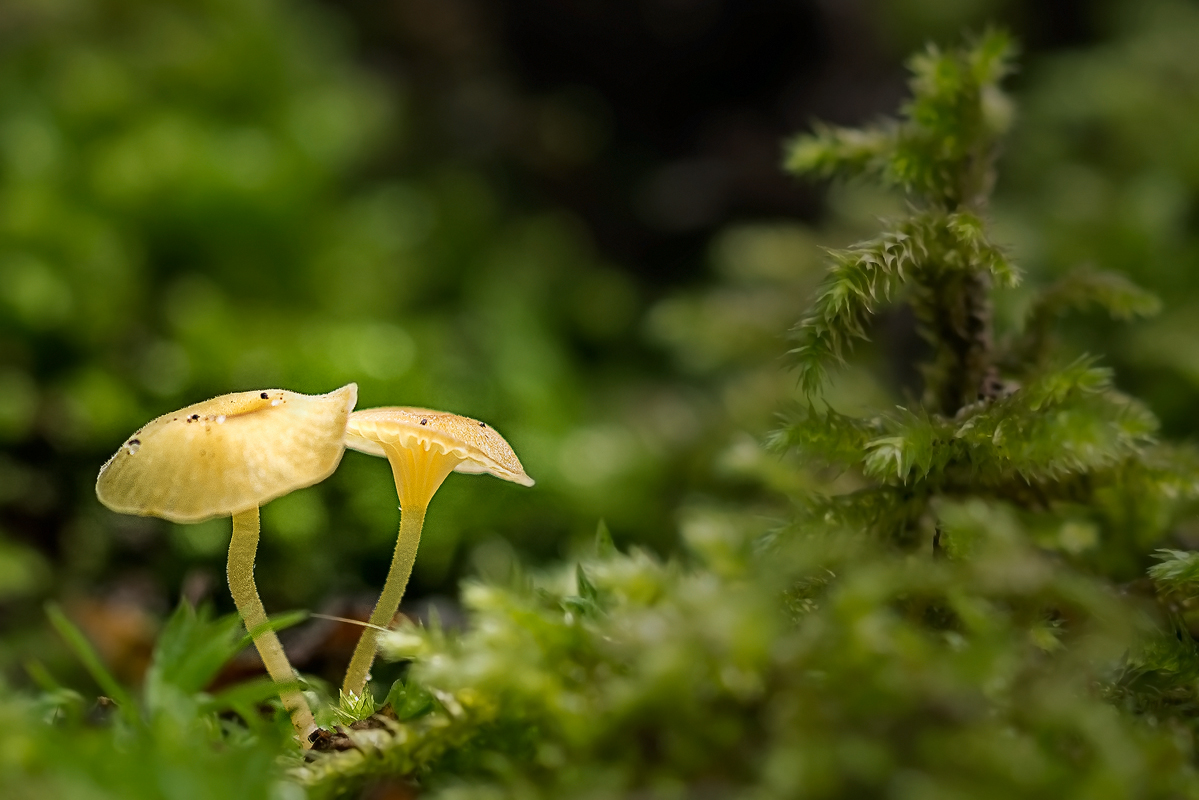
(226, 457)
(423, 447)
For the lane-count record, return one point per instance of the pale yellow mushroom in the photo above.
(226, 457)
(423, 447)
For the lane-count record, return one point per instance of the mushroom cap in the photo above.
(228, 454)
(479, 446)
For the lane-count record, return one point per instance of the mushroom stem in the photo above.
(412, 520)
(418, 471)
(240, 570)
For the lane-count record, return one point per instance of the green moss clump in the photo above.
(971, 618)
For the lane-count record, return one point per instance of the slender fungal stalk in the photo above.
(412, 520)
(240, 570)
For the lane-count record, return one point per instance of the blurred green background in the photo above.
(565, 218)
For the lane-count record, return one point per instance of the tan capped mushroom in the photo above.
(226, 457)
(423, 447)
